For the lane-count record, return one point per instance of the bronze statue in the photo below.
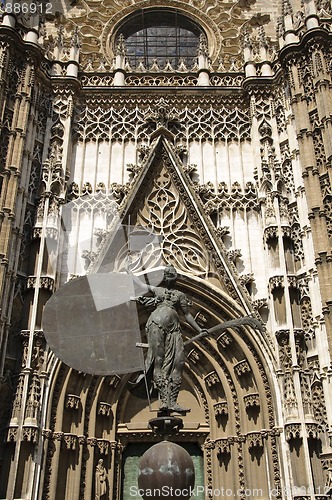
(163, 331)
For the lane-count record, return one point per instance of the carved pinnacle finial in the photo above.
(287, 8)
(202, 48)
(60, 36)
(262, 36)
(75, 39)
(120, 49)
(310, 12)
(246, 40)
(280, 27)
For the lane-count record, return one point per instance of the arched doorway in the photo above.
(229, 384)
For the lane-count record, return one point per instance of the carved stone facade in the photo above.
(228, 162)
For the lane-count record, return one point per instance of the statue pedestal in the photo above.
(166, 425)
(166, 466)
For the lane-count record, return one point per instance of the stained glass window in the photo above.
(161, 38)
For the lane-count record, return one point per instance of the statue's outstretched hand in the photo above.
(204, 332)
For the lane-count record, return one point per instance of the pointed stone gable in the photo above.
(163, 200)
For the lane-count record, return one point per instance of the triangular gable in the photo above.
(163, 200)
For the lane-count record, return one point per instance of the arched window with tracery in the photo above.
(163, 38)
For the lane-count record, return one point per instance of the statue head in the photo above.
(170, 274)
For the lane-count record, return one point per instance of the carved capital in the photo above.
(225, 339)
(255, 440)
(242, 368)
(194, 356)
(251, 400)
(212, 379)
(104, 409)
(70, 440)
(30, 433)
(220, 408)
(73, 401)
(293, 431)
(103, 446)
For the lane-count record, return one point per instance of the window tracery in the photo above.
(160, 39)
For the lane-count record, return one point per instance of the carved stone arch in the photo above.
(281, 187)
(229, 382)
(231, 393)
(265, 187)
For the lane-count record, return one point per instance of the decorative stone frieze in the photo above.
(81, 440)
(12, 434)
(44, 282)
(58, 435)
(190, 170)
(286, 231)
(134, 170)
(103, 446)
(223, 231)
(47, 433)
(260, 304)
(245, 279)
(270, 232)
(224, 445)
(303, 286)
(89, 257)
(235, 254)
(292, 281)
(312, 430)
(92, 441)
(282, 336)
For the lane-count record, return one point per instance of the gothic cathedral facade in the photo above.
(208, 123)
